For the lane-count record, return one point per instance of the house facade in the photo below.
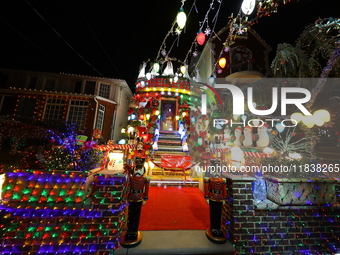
(246, 56)
(91, 103)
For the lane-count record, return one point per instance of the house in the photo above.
(246, 56)
(92, 103)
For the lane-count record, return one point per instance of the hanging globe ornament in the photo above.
(222, 62)
(211, 80)
(280, 127)
(156, 67)
(248, 6)
(181, 18)
(200, 38)
(183, 69)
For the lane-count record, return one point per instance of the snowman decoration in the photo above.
(263, 136)
(238, 136)
(236, 157)
(248, 136)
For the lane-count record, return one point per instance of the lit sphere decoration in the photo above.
(183, 69)
(156, 67)
(222, 62)
(200, 38)
(248, 6)
(181, 18)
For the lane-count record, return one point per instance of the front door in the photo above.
(168, 117)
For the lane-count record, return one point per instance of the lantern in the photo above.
(200, 38)
(141, 117)
(222, 62)
(181, 18)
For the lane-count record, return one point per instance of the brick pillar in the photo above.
(272, 229)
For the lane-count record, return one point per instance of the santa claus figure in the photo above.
(248, 136)
(215, 192)
(137, 196)
(263, 136)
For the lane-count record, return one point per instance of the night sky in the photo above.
(112, 38)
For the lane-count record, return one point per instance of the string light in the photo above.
(55, 229)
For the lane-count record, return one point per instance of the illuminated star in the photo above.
(240, 31)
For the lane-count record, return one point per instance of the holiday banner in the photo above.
(176, 162)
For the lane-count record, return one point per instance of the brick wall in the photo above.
(260, 229)
(44, 213)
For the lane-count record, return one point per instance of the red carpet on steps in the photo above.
(172, 208)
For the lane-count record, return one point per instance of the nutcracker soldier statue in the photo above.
(216, 193)
(206, 158)
(137, 196)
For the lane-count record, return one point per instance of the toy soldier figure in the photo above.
(137, 196)
(216, 193)
(206, 158)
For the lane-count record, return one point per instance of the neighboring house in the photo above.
(89, 102)
(246, 57)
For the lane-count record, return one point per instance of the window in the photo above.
(77, 87)
(27, 107)
(54, 109)
(104, 90)
(90, 87)
(32, 83)
(6, 104)
(77, 113)
(49, 85)
(101, 115)
(3, 80)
